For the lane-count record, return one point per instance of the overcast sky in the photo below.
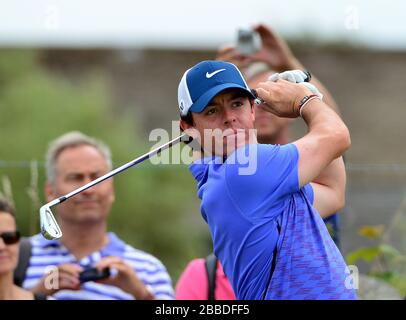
(196, 24)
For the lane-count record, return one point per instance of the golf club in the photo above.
(50, 228)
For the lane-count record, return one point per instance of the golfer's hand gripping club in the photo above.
(50, 228)
(295, 76)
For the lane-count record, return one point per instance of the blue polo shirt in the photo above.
(251, 215)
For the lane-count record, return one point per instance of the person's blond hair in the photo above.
(69, 140)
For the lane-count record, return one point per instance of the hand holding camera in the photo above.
(124, 277)
(260, 44)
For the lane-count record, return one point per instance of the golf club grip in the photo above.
(134, 162)
(309, 76)
(258, 100)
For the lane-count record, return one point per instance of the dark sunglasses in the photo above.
(11, 237)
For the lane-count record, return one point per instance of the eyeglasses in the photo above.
(11, 237)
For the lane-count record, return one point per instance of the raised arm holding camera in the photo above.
(272, 51)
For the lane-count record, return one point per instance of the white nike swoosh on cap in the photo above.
(209, 75)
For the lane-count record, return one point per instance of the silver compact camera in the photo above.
(248, 41)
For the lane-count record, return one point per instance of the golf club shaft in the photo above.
(119, 169)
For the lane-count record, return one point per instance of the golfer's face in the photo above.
(226, 124)
(75, 167)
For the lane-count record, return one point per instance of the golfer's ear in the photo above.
(184, 125)
(252, 108)
(190, 130)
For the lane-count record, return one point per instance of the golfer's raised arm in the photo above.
(320, 160)
(321, 148)
(327, 139)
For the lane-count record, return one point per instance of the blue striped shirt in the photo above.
(149, 269)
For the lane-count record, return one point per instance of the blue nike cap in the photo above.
(201, 83)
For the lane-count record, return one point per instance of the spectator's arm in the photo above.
(276, 53)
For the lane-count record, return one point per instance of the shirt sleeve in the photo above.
(308, 191)
(273, 176)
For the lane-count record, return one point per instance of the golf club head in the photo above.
(49, 227)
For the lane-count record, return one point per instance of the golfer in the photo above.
(264, 213)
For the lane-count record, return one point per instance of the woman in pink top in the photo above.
(193, 283)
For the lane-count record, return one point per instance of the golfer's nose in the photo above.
(229, 117)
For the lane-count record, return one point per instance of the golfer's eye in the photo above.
(237, 104)
(211, 111)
